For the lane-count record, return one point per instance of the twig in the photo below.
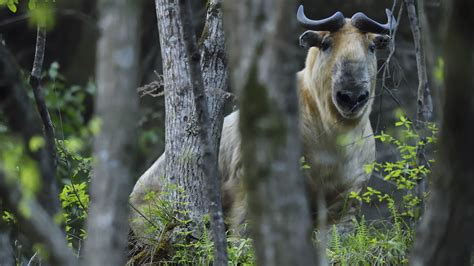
(152, 88)
(35, 82)
(386, 66)
(425, 105)
(143, 216)
(33, 259)
(209, 163)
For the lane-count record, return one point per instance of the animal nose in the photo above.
(351, 100)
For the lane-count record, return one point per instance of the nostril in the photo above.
(343, 97)
(363, 97)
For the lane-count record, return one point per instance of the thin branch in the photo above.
(143, 215)
(35, 258)
(22, 119)
(386, 66)
(209, 163)
(425, 105)
(35, 82)
(152, 89)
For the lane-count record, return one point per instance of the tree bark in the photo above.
(114, 148)
(445, 235)
(183, 152)
(425, 105)
(262, 46)
(180, 164)
(35, 82)
(424, 100)
(181, 131)
(214, 69)
(209, 163)
(216, 84)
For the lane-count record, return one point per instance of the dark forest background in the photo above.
(391, 211)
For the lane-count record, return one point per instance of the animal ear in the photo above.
(310, 39)
(381, 41)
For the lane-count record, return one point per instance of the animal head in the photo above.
(341, 65)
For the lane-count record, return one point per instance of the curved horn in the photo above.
(333, 23)
(364, 23)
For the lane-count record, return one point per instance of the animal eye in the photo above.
(325, 45)
(372, 47)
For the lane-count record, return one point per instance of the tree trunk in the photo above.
(182, 163)
(445, 235)
(262, 47)
(35, 82)
(183, 152)
(114, 148)
(209, 163)
(216, 84)
(181, 130)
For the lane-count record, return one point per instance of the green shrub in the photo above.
(173, 239)
(387, 242)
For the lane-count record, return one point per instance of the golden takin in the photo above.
(336, 91)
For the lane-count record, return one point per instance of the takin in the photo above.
(336, 91)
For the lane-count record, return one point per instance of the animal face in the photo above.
(344, 67)
(347, 59)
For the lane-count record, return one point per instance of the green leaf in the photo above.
(12, 6)
(58, 218)
(74, 144)
(42, 15)
(24, 208)
(32, 4)
(438, 71)
(95, 126)
(53, 70)
(29, 178)
(36, 143)
(369, 168)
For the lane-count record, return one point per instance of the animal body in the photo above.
(336, 90)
